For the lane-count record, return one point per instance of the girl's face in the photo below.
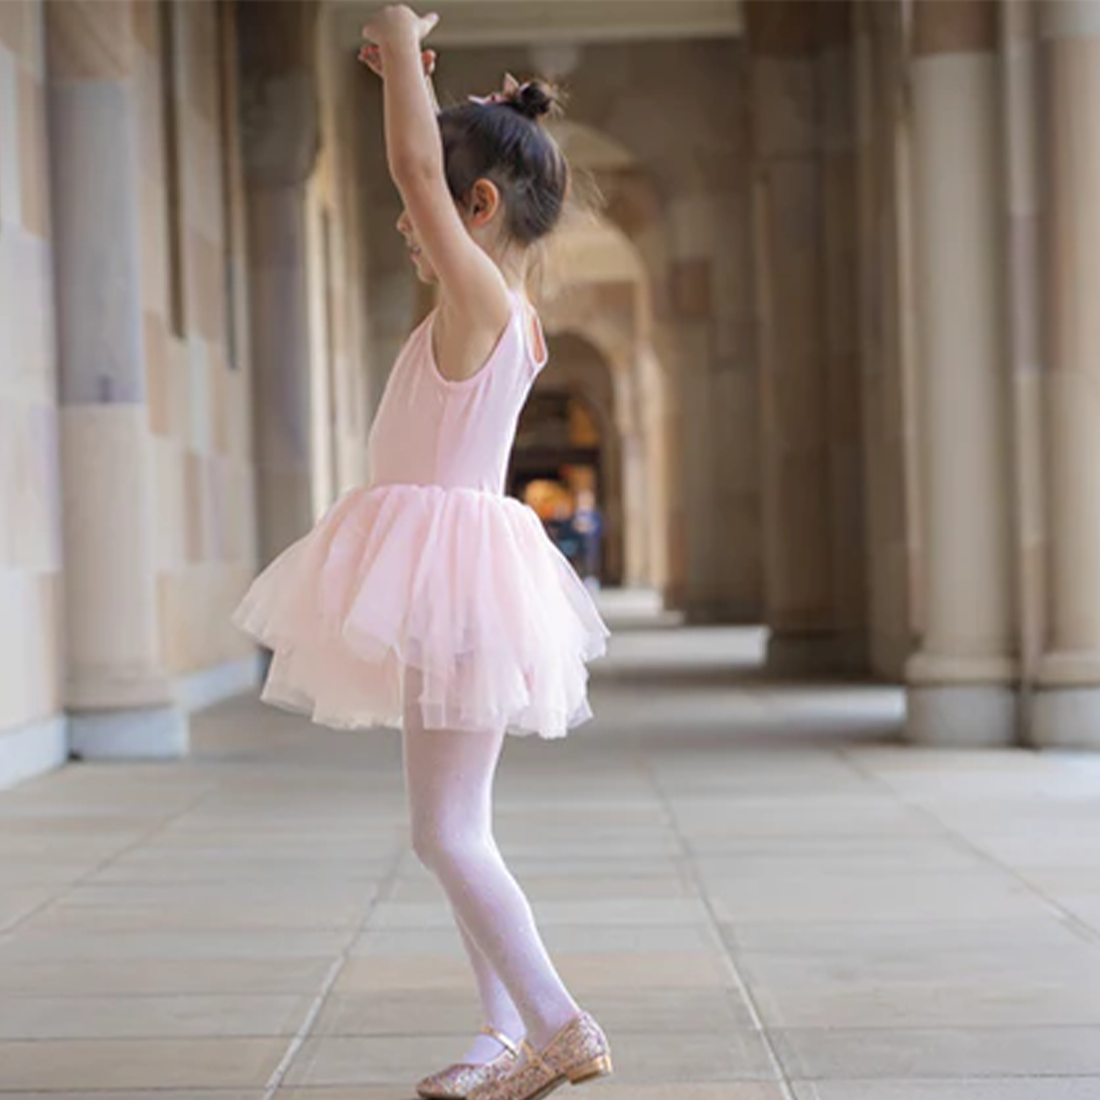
(482, 218)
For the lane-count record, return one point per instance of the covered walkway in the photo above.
(761, 894)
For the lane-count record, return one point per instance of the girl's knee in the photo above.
(441, 849)
(424, 848)
(433, 847)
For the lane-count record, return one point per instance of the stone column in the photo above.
(703, 302)
(883, 189)
(714, 578)
(637, 569)
(120, 699)
(799, 600)
(280, 132)
(1067, 705)
(961, 688)
(698, 592)
(1024, 293)
(836, 73)
(652, 401)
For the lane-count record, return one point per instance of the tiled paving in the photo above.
(759, 893)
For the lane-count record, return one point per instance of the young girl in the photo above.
(430, 600)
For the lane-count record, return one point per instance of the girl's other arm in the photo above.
(471, 281)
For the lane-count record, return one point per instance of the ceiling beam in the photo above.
(538, 22)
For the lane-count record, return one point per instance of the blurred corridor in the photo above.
(824, 372)
(821, 357)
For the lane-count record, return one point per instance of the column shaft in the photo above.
(961, 681)
(1067, 711)
(118, 694)
(281, 137)
(888, 409)
(280, 337)
(799, 553)
(836, 70)
(1027, 355)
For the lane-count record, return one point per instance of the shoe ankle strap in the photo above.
(535, 1058)
(508, 1044)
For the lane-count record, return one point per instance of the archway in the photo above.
(567, 460)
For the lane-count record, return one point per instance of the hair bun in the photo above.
(535, 100)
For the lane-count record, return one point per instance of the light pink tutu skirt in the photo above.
(459, 587)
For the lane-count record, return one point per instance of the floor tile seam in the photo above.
(947, 1028)
(441, 1033)
(1082, 929)
(107, 861)
(714, 925)
(10, 997)
(969, 1077)
(332, 976)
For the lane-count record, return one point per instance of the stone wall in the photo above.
(338, 192)
(128, 473)
(154, 366)
(31, 731)
(197, 371)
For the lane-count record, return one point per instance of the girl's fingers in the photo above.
(428, 24)
(372, 59)
(371, 56)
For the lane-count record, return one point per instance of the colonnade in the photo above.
(982, 328)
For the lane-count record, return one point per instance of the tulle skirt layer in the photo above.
(459, 587)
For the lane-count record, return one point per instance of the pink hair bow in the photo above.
(511, 87)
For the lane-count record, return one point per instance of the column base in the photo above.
(888, 655)
(836, 654)
(157, 733)
(961, 715)
(219, 682)
(32, 749)
(1065, 718)
(718, 613)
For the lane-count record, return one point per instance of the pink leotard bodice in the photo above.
(430, 430)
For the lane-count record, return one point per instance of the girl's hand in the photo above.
(397, 21)
(371, 56)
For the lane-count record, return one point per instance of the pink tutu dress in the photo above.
(431, 576)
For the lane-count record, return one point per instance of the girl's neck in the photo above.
(515, 273)
(516, 281)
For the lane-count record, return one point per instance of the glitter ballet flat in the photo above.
(457, 1081)
(579, 1052)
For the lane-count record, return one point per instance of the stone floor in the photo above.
(759, 893)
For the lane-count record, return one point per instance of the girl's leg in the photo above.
(497, 1008)
(449, 780)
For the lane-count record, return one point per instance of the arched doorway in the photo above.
(567, 460)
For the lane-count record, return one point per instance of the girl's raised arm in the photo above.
(471, 281)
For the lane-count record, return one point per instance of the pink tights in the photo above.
(449, 782)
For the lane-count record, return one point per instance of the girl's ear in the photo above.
(484, 202)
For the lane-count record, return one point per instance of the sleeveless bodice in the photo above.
(430, 430)
(429, 594)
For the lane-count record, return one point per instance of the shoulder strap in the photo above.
(531, 325)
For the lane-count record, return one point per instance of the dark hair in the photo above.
(506, 143)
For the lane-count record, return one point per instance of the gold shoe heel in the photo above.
(598, 1067)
